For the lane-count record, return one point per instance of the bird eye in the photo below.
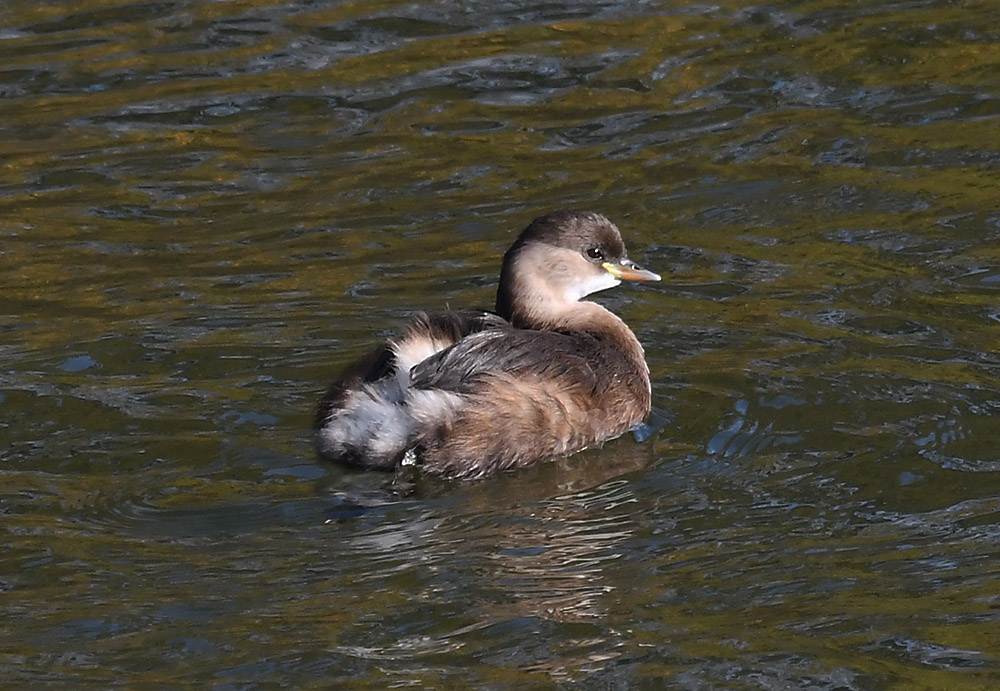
(595, 253)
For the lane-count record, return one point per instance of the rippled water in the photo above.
(206, 209)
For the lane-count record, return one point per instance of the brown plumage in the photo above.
(464, 394)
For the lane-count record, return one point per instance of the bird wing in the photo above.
(442, 330)
(564, 359)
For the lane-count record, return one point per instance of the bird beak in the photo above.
(628, 270)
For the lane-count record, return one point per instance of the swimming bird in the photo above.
(463, 394)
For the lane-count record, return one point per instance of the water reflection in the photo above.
(209, 209)
(538, 561)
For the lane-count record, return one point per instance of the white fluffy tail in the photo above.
(371, 430)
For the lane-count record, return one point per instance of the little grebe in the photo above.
(467, 393)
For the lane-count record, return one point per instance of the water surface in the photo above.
(207, 209)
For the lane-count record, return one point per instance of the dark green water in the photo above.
(206, 209)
